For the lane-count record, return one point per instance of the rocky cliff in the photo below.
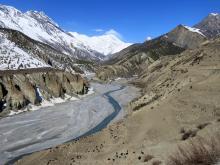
(21, 88)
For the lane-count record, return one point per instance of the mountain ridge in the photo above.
(210, 25)
(40, 27)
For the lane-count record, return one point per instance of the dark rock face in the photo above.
(18, 90)
(210, 26)
(185, 38)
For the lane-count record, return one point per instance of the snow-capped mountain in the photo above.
(106, 44)
(38, 26)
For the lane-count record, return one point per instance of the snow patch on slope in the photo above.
(52, 102)
(195, 30)
(12, 57)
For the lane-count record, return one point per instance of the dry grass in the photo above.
(197, 152)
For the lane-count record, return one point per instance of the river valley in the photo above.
(47, 127)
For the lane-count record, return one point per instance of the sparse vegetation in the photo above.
(156, 162)
(148, 158)
(197, 152)
(188, 134)
(201, 126)
(139, 106)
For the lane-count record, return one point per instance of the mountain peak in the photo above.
(210, 25)
(4, 9)
(7, 7)
(108, 43)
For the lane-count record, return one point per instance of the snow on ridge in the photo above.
(41, 15)
(195, 30)
(9, 9)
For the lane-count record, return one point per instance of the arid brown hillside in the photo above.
(136, 58)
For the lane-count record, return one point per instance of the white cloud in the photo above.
(108, 32)
(98, 30)
(113, 32)
(149, 38)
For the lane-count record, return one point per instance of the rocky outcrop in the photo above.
(20, 89)
(185, 37)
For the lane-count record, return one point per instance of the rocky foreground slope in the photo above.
(180, 103)
(22, 87)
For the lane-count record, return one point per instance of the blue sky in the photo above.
(134, 20)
